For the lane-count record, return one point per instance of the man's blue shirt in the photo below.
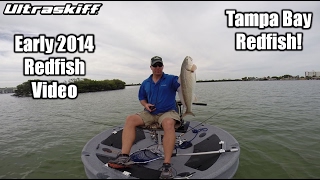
(161, 94)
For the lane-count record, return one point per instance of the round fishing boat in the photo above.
(202, 151)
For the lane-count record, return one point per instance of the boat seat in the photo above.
(157, 131)
(182, 128)
(156, 127)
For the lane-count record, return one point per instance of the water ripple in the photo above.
(276, 124)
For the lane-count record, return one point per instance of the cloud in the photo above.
(128, 34)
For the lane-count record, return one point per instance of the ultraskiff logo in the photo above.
(67, 9)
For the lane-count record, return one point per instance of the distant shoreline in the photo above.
(229, 80)
(223, 80)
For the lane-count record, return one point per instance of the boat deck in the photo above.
(206, 138)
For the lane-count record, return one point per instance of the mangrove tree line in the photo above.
(83, 84)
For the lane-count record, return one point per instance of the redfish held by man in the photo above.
(187, 80)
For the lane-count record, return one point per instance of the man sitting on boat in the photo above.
(157, 96)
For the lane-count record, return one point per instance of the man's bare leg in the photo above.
(129, 132)
(169, 138)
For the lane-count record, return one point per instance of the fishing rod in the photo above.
(205, 120)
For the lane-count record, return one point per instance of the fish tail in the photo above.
(187, 113)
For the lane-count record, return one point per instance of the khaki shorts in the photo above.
(154, 121)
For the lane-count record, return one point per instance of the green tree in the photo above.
(287, 76)
(84, 85)
(24, 89)
(245, 79)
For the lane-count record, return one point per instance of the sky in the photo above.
(128, 34)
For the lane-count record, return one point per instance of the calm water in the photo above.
(277, 124)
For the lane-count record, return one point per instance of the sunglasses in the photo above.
(157, 65)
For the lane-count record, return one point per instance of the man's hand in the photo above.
(150, 107)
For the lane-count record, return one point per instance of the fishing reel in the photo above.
(183, 144)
